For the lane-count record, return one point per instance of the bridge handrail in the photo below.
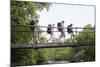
(47, 26)
(52, 31)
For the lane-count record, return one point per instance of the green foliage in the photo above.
(89, 51)
(88, 35)
(22, 12)
(58, 53)
(23, 56)
(89, 54)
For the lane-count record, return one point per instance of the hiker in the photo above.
(50, 31)
(32, 23)
(34, 29)
(60, 27)
(70, 31)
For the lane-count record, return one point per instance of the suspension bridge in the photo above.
(36, 45)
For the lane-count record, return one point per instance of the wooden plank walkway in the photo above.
(51, 45)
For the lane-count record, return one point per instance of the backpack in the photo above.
(69, 29)
(32, 23)
(59, 25)
(49, 29)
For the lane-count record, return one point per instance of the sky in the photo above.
(78, 15)
(75, 14)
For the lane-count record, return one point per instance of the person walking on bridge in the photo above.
(50, 31)
(34, 28)
(60, 27)
(70, 31)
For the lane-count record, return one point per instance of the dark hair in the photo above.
(62, 21)
(49, 25)
(71, 24)
(37, 20)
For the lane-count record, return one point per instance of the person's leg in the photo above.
(69, 34)
(33, 40)
(60, 35)
(52, 37)
(49, 38)
(37, 38)
(72, 36)
(63, 35)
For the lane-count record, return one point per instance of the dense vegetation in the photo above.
(85, 53)
(21, 14)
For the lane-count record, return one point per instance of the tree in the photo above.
(89, 35)
(86, 53)
(22, 12)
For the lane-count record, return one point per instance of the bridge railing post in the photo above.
(75, 37)
(76, 31)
